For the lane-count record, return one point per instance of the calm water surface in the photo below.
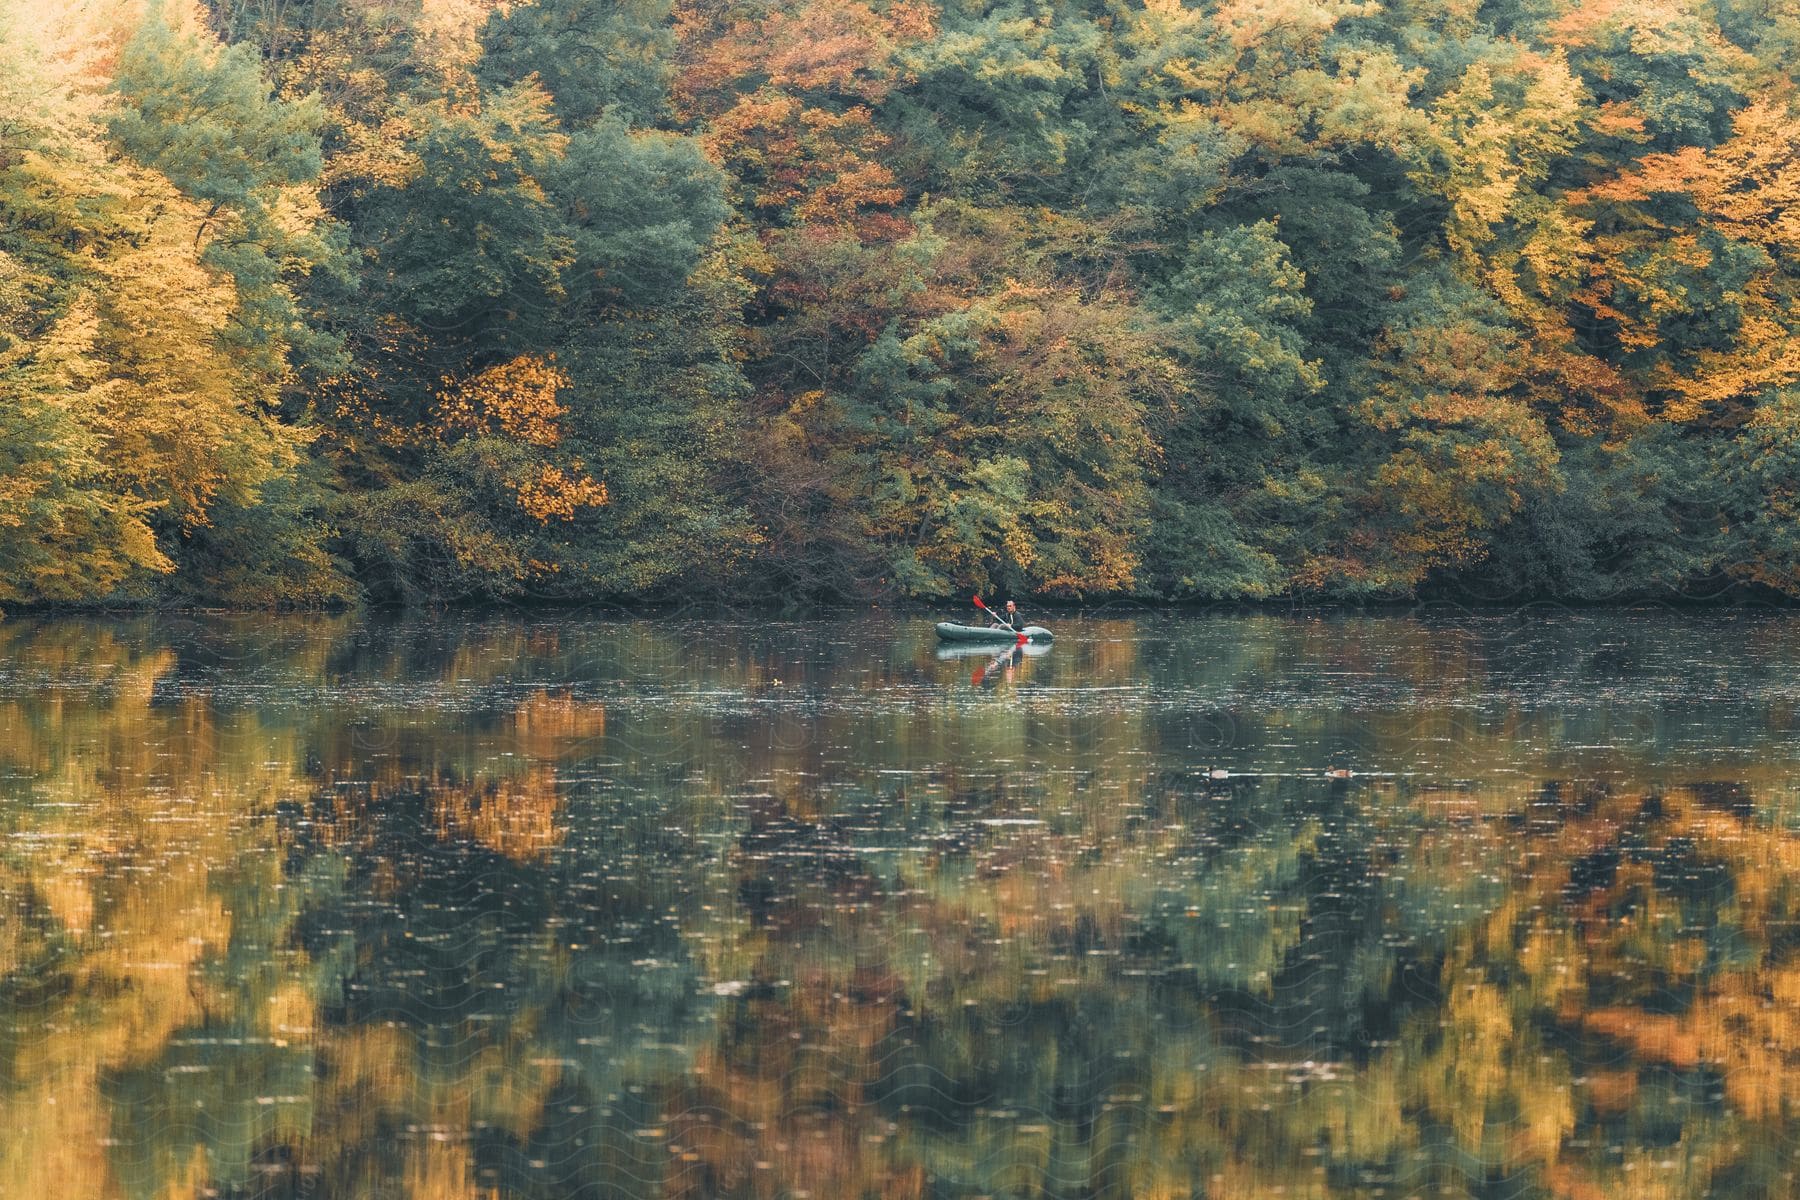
(1223, 906)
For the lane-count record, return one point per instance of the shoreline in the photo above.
(771, 609)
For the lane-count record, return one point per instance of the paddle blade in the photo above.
(979, 604)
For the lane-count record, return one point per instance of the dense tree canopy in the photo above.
(442, 299)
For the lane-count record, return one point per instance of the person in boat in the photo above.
(1012, 615)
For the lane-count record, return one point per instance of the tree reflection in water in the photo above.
(1223, 906)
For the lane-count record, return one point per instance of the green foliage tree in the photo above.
(470, 246)
(1242, 491)
(596, 57)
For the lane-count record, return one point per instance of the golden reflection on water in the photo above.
(1226, 906)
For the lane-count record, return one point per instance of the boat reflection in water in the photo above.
(556, 907)
(998, 667)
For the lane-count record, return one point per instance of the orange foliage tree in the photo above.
(517, 400)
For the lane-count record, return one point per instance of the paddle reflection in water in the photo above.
(569, 908)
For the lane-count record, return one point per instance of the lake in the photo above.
(559, 906)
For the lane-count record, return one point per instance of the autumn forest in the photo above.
(321, 302)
